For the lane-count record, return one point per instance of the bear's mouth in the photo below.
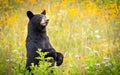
(44, 24)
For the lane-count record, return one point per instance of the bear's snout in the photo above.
(44, 21)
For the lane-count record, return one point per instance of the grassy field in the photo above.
(87, 32)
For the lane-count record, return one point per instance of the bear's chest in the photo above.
(38, 41)
(43, 42)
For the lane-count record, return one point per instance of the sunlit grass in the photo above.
(86, 32)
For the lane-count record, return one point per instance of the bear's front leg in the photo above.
(58, 57)
(51, 53)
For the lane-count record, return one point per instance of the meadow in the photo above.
(87, 32)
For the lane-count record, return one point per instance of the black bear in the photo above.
(37, 39)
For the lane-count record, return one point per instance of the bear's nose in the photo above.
(47, 20)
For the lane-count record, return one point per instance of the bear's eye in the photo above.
(40, 18)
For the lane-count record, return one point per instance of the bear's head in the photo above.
(39, 21)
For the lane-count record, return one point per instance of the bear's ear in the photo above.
(44, 12)
(30, 14)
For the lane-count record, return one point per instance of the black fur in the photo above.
(37, 39)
